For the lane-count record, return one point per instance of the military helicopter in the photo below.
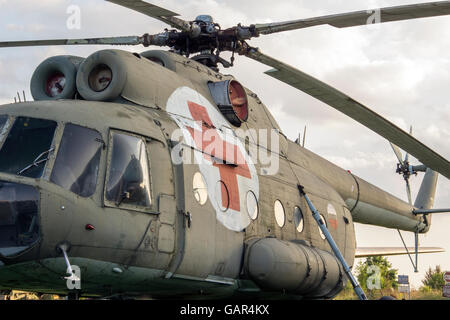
(135, 173)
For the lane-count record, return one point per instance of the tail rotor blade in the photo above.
(407, 154)
(397, 152)
(408, 191)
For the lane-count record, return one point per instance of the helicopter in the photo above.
(134, 172)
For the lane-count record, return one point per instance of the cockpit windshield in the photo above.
(27, 147)
(76, 166)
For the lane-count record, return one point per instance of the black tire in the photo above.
(67, 65)
(119, 76)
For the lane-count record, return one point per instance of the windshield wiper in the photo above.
(37, 161)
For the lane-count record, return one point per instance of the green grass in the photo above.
(349, 294)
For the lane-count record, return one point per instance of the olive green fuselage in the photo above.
(177, 246)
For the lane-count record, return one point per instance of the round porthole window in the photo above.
(279, 213)
(331, 209)
(322, 235)
(200, 190)
(222, 196)
(252, 205)
(298, 219)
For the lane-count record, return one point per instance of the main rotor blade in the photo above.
(351, 108)
(363, 252)
(156, 12)
(358, 18)
(133, 40)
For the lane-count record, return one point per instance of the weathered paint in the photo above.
(178, 237)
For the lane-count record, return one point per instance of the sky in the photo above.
(400, 70)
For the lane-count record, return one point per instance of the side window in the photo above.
(128, 182)
(27, 147)
(77, 163)
(278, 209)
(298, 219)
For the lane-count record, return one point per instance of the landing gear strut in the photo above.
(359, 292)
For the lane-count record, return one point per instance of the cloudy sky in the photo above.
(401, 70)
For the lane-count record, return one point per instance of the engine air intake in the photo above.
(231, 98)
(55, 78)
(102, 76)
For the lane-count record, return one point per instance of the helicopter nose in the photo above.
(19, 221)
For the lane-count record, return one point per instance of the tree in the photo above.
(376, 273)
(434, 278)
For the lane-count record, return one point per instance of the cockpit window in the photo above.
(27, 147)
(76, 166)
(19, 222)
(3, 128)
(129, 181)
(3, 120)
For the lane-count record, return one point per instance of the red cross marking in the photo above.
(333, 223)
(214, 148)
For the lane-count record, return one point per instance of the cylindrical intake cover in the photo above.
(160, 57)
(107, 75)
(107, 67)
(277, 265)
(55, 78)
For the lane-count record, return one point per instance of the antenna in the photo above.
(304, 137)
(299, 139)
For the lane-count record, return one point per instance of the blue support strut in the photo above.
(359, 292)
